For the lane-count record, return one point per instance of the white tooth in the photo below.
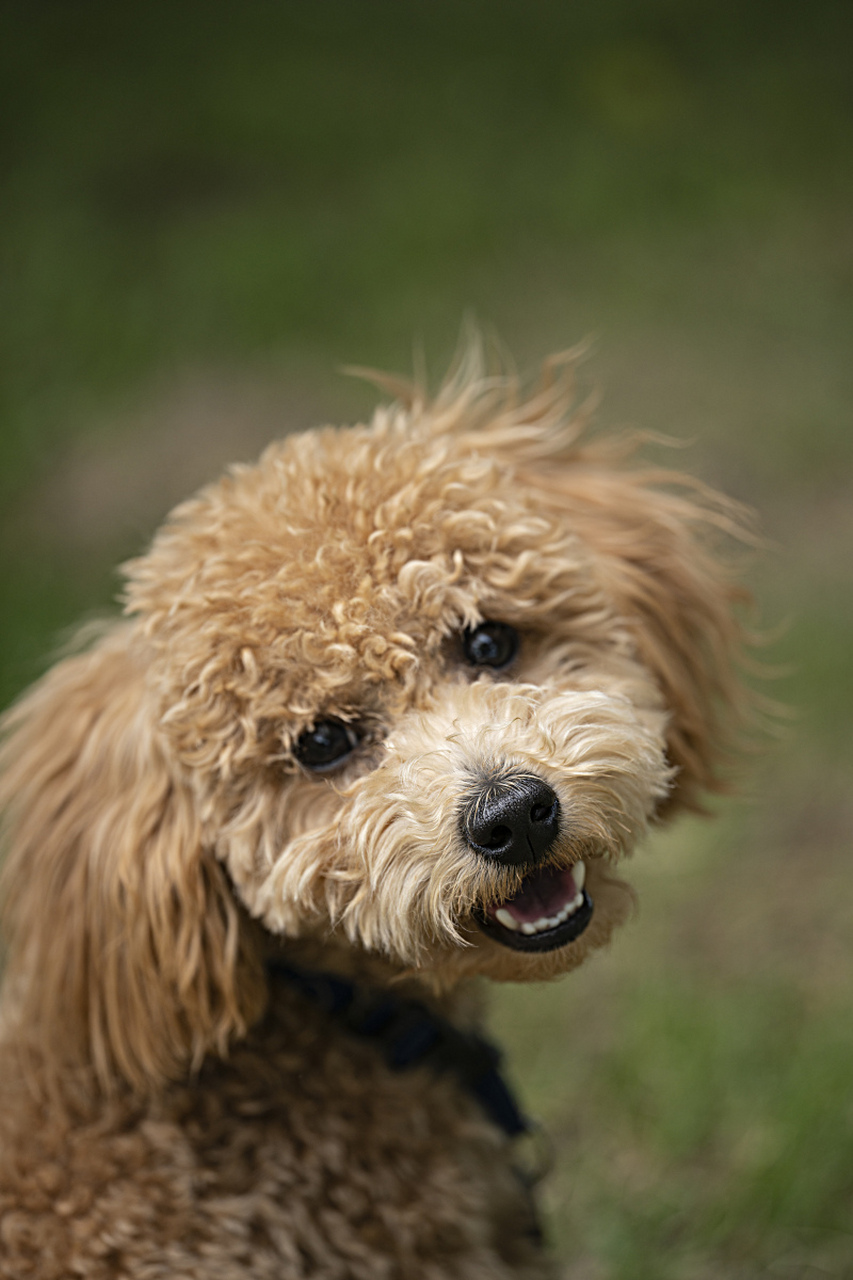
(508, 921)
(578, 902)
(579, 875)
(529, 928)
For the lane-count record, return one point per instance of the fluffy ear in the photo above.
(652, 534)
(127, 952)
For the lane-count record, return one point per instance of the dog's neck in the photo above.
(461, 1002)
(407, 1033)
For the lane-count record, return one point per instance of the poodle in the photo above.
(383, 716)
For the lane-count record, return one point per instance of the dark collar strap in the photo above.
(411, 1035)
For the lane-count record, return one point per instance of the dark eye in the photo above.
(324, 745)
(492, 644)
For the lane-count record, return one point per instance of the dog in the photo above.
(383, 715)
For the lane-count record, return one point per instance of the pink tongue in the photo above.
(543, 893)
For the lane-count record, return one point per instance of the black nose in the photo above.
(514, 822)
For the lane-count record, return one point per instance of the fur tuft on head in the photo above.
(486, 403)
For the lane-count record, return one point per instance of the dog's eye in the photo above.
(325, 745)
(492, 644)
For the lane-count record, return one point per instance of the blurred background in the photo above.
(207, 209)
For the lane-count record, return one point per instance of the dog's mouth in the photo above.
(551, 909)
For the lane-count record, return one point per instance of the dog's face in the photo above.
(417, 687)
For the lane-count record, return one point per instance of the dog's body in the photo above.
(385, 710)
(302, 1155)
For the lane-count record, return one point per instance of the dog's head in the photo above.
(406, 691)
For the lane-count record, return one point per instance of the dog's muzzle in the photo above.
(516, 823)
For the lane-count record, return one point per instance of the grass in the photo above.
(201, 201)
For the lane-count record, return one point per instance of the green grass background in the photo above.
(207, 209)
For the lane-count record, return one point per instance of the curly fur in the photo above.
(166, 1110)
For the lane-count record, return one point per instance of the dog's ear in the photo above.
(127, 953)
(654, 538)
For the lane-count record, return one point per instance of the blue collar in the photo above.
(408, 1035)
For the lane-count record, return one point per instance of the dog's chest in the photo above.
(359, 1163)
